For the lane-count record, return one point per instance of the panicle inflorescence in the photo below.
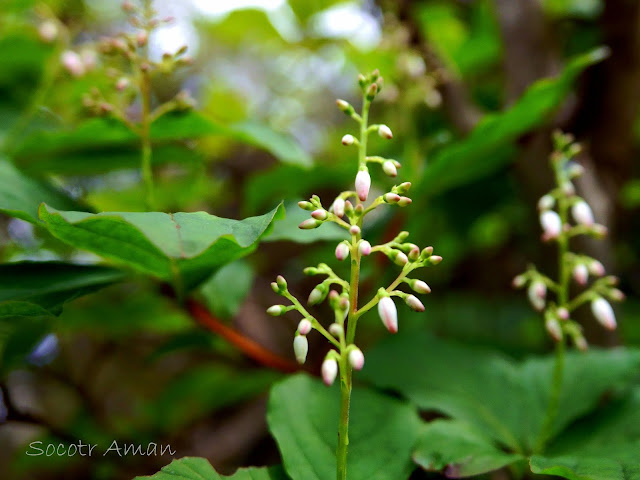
(563, 216)
(348, 210)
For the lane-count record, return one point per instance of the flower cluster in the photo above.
(348, 211)
(563, 216)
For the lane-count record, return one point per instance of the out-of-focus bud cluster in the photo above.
(564, 215)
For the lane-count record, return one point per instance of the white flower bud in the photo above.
(596, 268)
(319, 214)
(551, 224)
(385, 132)
(537, 294)
(356, 359)
(300, 348)
(338, 207)
(122, 84)
(317, 295)
(72, 63)
(348, 140)
(546, 202)
(354, 230)
(389, 168)
(603, 312)
(435, 259)
(574, 170)
(563, 313)
(581, 343)
(48, 31)
(277, 310)
(388, 314)
(420, 286)
(414, 303)
(304, 327)
(363, 184)
(310, 223)
(581, 273)
(553, 327)
(342, 251)
(391, 197)
(404, 201)
(336, 330)
(329, 371)
(364, 248)
(582, 213)
(519, 281)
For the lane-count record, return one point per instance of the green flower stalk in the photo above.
(349, 210)
(563, 216)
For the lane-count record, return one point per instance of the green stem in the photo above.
(343, 429)
(145, 135)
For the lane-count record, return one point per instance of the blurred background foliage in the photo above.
(472, 91)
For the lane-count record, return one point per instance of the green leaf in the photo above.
(459, 450)
(490, 145)
(303, 417)
(20, 195)
(287, 230)
(193, 468)
(185, 248)
(226, 290)
(490, 391)
(623, 464)
(33, 289)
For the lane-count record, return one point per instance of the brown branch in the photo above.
(249, 347)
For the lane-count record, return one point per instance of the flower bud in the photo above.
(404, 201)
(128, 7)
(342, 251)
(72, 63)
(519, 281)
(282, 283)
(574, 169)
(414, 253)
(419, 286)
(364, 248)
(48, 31)
(568, 188)
(551, 224)
(348, 140)
(371, 91)
(320, 214)
(537, 294)
(356, 359)
(426, 252)
(275, 287)
(300, 348)
(345, 107)
(305, 205)
(546, 202)
(582, 213)
(348, 208)
(311, 271)
(403, 188)
(122, 84)
(398, 257)
(553, 327)
(391, 197)
(414, 303)
(617, 295)
(388, 314)
(603, 312)
(329, 371)
(581, 273)
(142, 38)
(563, 313)
(277, 310)
(363, 184)
(389, 168)
(354, 230)
(596, 268)
(304, 327)
(310, 223)
(336, 330)
(581, 343)
(385, 132)
(435, 259)
(338, 207)
(318, 294)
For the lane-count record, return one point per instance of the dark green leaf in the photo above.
(226, 290)
(185, 248)
(303, 418)
(192, 468)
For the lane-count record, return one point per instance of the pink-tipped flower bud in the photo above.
(348, 140)
(391, 197)
(304, 327)
(281, 282)
(300, 348)
(354, 230)
(519, 281)
(363, 184)
(348, 208)
(389, 168)
(122, 84)
(320, 214)
(388, 314)
(551, 224)
(310, 223)
(414, 253)
(305, 205)
(342, 251)
(336, 330)
(364, 248)
(568, 188)
(142, 38)
(546, 202)
(72, 63)
(414, 303)
(537, 294)
(385, 132)
(277, 310)
(581, 273)
(128, 7)
(48, 31)
(338, 207)
(582, 213)
(403, 188)
(553, 327)
(420, 287)
(596, 268)
(356, 359)
(404, 201)
(329, 371)
(603, 312)
(563, 313)
(435, 259)
(581, 343)
(617, 295)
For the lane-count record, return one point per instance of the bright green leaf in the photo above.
(287, 230)
(193, 468)
(303, 418)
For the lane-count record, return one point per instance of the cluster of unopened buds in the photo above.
(563, 216)
(348, 211)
